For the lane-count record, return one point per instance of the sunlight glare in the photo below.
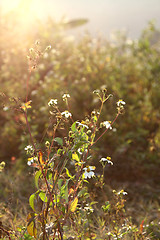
(24, 8)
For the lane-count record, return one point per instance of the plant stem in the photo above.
(29, 130)
(27, 85)
(106, 129)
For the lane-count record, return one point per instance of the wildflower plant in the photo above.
(62, 169)
(62, 165)
(59, 192)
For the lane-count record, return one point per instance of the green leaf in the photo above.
(73, 127)
(68, 174)
(63, 209)
(43, 196)
(82, 192)
(49, 175)
(75, 157)
(78, 145)
(73, 205)
(31, 200)
(36, 178)
(94, 202)
(64, 192)
(59, 141)
(95, 118)
(59, 151)
(70, 154)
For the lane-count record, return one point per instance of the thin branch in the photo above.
(106, 129)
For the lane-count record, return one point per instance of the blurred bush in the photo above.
(130, 70)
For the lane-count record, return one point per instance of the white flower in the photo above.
(29, 148)
(32, 160)
(66, 114)
(80, 150)
(65, 96)
(107, 124)
(88, 208)
(97, 91)
(52, 102)
(83, 125)
(120, 103)
(108, 160)
(89, 171)
(5, 108)
(29, 163)
(122, 192)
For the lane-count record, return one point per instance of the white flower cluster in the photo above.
(106, 124)
(120, 103)
(32, 160)
(88, 171)
(52, 102)
(29, 149)
(82, 125)
(65, 96)
(122, 192)
(88, 208)
(108, 160)
(66, 114)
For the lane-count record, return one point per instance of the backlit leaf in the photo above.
(68, 174)
(31, 228)
(73, 205)
(36, 178)
(31, 200)
(73, 127)
(75, 157)
(43, 196)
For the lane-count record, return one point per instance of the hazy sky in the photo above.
(104, 15)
